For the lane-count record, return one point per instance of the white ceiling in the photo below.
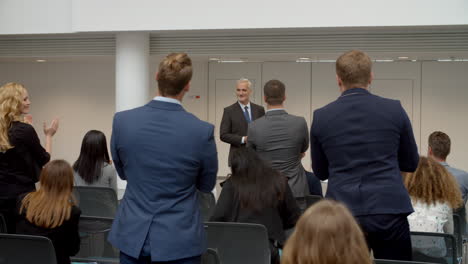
(420, 43)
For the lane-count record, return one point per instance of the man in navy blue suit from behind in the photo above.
(360, 143)
(165, 154)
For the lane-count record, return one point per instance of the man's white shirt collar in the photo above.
(243, 105)
(167, 100)
(274, 109)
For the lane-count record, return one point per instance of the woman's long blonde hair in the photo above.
(51, 205)
(432, 183)
(326, 234)
(11, 98)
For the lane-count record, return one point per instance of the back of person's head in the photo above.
(354, 68)
(432, 183)
(51, 205)
(326, 233)
(274, 92)
(92, 157)
(174, 73)
(11, 98)
(257, 185)
(439, 144)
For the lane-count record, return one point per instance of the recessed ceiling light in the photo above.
(385, 60)
(403, 58)
(40, 60)
(214, 59)
(231, 61)
(304, 58)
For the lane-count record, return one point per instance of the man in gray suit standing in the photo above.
(280, 138)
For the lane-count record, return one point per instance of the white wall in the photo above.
(214, 14)
(82, 93)
(35, 17)
(67, 16)
(445, 108)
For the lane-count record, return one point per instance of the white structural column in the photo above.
(131, 74)
(131, 70)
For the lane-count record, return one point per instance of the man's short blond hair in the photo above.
(244, 80)
(354, 69)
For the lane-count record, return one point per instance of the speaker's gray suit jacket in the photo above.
(280, 139)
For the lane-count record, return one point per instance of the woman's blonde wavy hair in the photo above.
(432, 183)
(11, 98)
(51, 205)
(326, 234)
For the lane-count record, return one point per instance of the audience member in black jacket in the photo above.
(21, 153)
(50, 211)
(255, 193)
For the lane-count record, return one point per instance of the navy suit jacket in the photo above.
(165, 154)
(360, 143)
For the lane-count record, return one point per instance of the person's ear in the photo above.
(340, 83)
(157, 76)
(187, 87)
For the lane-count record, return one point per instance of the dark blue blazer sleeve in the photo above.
(408, 156)
(319, 159)
(209, 163)
(115, 149)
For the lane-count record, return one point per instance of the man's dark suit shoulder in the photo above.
(135, 114)
(375, 100)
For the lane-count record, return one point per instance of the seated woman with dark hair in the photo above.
(434, 194)
(94, 167)
(256, 193)
(51, 212)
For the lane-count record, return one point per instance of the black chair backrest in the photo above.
(3, 226)
(391, 261)
(96, 201)
(210, 257)
(239, 242)
(207, 204)
(94, 245)
(461, 212)
(457, 232)
(26, 249)
(311, 199)
(95, 260)
(434, 247)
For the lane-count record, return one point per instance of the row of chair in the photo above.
(228, 243)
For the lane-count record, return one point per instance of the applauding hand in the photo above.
(50, 131)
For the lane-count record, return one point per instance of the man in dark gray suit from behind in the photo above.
(281, 139)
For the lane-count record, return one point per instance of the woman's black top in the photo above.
(20, 166)
(65, 238)
(276, 220)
